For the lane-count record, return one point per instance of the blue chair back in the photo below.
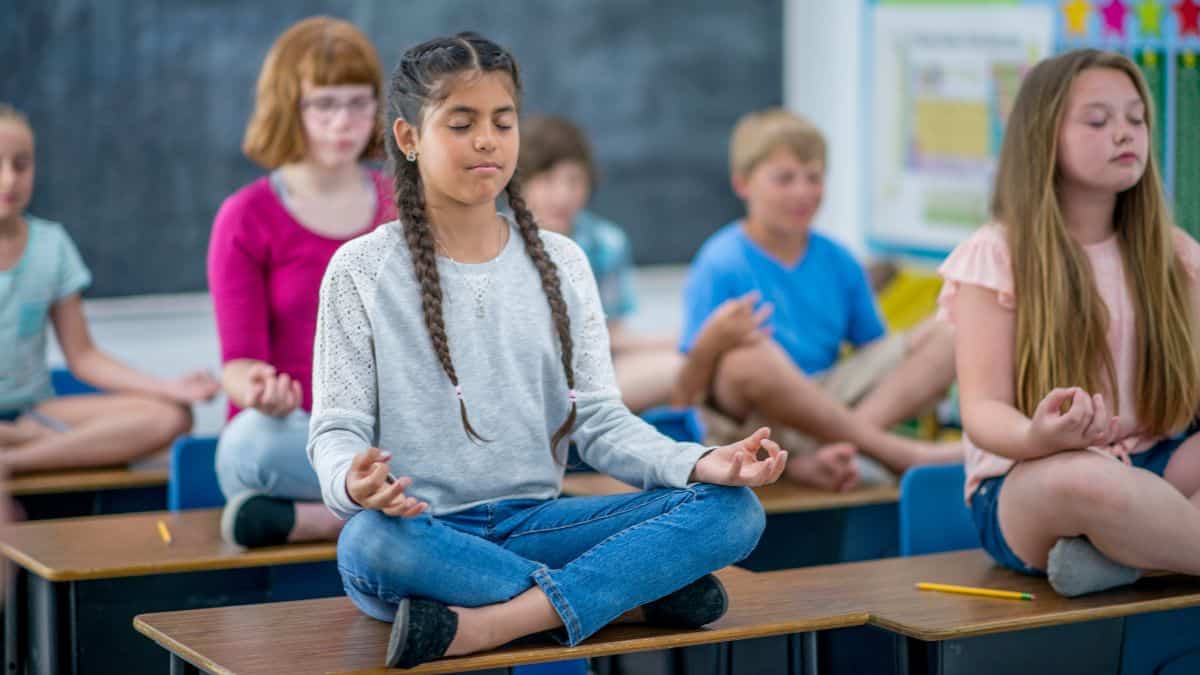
(193, 481)
(681, 424)
(933, 516)
(575, 667)
(66, 384)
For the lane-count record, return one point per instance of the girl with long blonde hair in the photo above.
(1077, 346)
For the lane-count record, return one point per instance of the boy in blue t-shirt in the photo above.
(813, 298)
(41, 278)
(558, 176)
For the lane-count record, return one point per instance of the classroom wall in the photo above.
(823, 78)
(139, 106)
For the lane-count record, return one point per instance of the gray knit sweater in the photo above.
(377, 381)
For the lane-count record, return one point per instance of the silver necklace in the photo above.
(478, 283)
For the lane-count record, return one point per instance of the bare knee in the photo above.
(1088, 486)
(749, 368)
(165, 421)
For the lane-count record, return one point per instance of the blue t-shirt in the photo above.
(48, 270)
(821, 302)
(607, 250)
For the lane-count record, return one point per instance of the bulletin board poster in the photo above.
(941, 79)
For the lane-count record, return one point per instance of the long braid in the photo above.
(410, 206)
(417, 81)
(552, 287)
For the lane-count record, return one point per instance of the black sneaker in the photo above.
(251, 520)
(701, 602)
(422, 631)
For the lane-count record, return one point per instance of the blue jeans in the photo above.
(264, 454)
(594, 557)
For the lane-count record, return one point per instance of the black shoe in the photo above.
(422, 631)
(701, 602)
(252, 520)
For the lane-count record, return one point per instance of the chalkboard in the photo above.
(139, 108)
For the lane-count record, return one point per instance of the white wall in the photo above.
(822, 46)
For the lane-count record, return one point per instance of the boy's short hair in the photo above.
(546, 141)
(10, 112)
(322, 51)
(758, 134)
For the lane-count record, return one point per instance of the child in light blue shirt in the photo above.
(558, 173)
(41, 278)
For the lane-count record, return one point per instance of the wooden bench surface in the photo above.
(332, 636)
(147, 473)
(105, 547)
(887, 589)
(781, 497)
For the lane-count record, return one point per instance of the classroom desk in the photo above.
(805, 526)
(77, 492)
(332, 636)
(70, 569)
(945, 633)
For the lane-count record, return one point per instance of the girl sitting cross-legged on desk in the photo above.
(458, 350)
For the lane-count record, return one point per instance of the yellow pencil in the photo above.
(970, 590)
(164, 533)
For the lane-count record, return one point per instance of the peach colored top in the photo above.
(983, 260)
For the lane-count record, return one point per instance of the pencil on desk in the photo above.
(970, 590)
(164, 533)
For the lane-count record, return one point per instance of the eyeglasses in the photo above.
(324, 108)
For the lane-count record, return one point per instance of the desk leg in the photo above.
(14, 620)
(802, 654)
(181, 667)
(52, 649)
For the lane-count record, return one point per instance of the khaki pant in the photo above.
(851, 379)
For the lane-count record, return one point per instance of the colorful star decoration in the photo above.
(1188, 13)
(1149, 13)
(1114, 18)
(1149, 57)
(1189, 59)
(1076, 14)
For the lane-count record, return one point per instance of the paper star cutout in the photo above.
(1189, 59)
(1149, 57)
(1114, 18)
(1189, 17)
(1076, 14)
(1149, 13)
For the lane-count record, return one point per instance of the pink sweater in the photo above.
(264, 274)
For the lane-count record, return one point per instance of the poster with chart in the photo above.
(941, 77)
(944, 80)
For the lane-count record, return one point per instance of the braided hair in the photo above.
(423, 77)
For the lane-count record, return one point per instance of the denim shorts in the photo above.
(985, 502)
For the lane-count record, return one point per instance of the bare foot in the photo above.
(23, 431)
(832, 467)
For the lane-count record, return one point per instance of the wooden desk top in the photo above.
(105, 547)
(148, 473)
(886, 589)
(332, 636)
(781, 497)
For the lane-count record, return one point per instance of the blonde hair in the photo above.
(1051, 272)
(9, 112)
(758, 134)
(321, 51)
